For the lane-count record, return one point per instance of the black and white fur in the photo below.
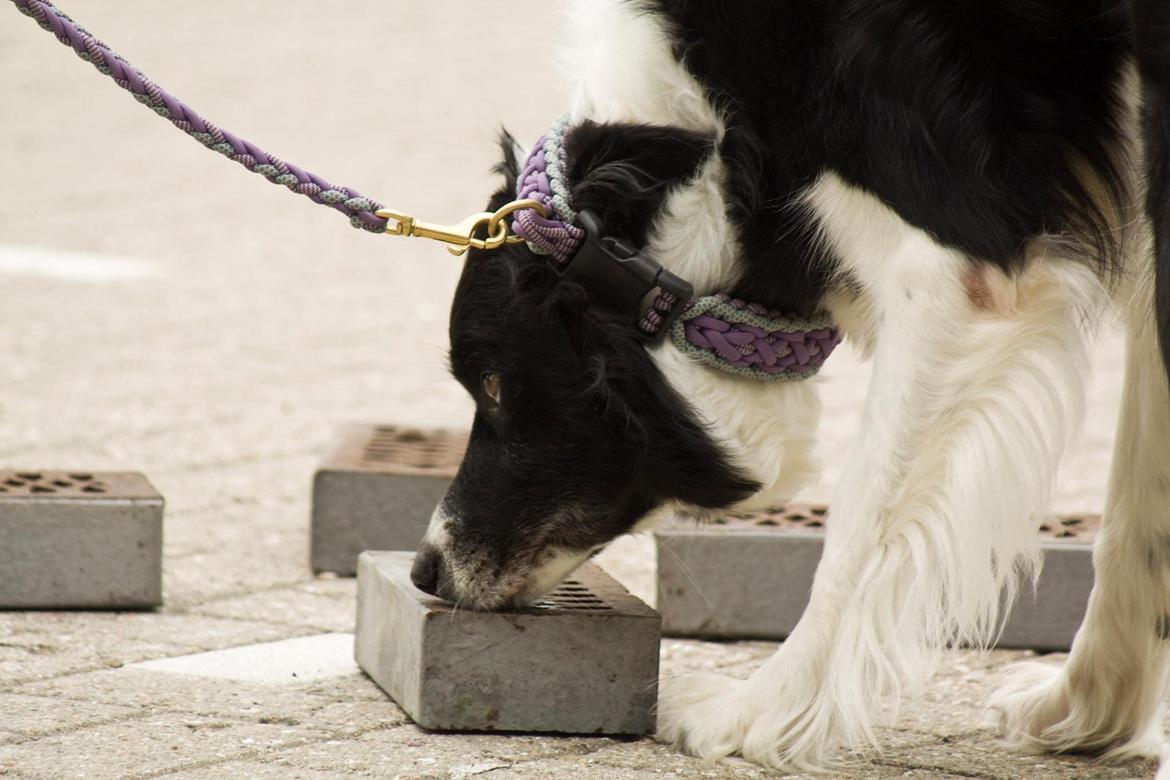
(968, 186)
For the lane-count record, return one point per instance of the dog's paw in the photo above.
(1039, 712)
(1031, 701)
(703, 715)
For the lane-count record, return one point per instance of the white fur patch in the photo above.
(950, 472)
(621, 68)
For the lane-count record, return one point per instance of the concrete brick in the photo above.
(376, 491)
(583, 661)
(79, 540)
(750, 576)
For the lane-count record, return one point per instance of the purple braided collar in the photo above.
(741, 338)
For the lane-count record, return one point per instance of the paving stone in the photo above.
(236, 573)
(583, 661)
(283, 662)
(79, 540)
(356, 688)
(750, 576)
(32, 716)
(144, 746)
(40, 645)
(985, 757)
(376, 491)
(650, 757)
(683, 656)
(410, 752)
(253, 770)
(338, 706)
(309, 605)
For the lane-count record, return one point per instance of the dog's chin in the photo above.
(492, 600)
(519, 590)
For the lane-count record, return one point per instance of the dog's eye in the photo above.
(491, 386)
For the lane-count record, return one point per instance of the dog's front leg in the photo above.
(969, 409)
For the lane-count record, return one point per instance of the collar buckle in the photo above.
(619, 276)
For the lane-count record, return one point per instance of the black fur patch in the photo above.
(1152, 28)
(588, 436)
(967, 117)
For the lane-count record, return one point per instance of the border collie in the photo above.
(967, 187)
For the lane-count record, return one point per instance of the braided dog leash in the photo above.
(360, 209)
(484, 230)
(741, 338)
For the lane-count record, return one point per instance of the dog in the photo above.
(965, 187)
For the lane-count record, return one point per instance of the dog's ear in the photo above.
(622, 172)
(659, 423)
(509, 167)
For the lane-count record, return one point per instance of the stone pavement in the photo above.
(165, 311)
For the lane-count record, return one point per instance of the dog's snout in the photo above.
(425, 571)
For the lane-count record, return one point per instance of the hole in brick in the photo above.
(815, 524)
(62, 483)
(42, 489)
(796, 516)
(93, 489)
(411, 436)
(1045, 527)
(32, 476)
(81, 477)
(3, 489)
(767, 521)
(14, 482)
(719, 521)
(1071, 521)
(819, 511)
(1066, 534)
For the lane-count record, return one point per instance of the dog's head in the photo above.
(577, 435)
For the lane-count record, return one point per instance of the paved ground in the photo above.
(212, 330)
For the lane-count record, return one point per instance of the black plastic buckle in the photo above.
(618, 276)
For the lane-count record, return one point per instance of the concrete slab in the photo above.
(150, 745)
(376, 491)
(325, 605)
(42, 645)
(73, 539)
(34, 716)
(584, 660)
(251, 769)
(342, 706)
(410, 752)
(285, 662)
(749, 577)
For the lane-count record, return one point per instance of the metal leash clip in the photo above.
(485, 230)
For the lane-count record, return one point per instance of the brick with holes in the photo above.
(376, 491)
(74, 540)
(749, 576)
(583, 661)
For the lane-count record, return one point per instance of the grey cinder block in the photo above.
(749, 577)
(76, 540)
(376, 491)
(583, 661)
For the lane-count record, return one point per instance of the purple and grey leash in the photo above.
(728, 334)
(357, 207)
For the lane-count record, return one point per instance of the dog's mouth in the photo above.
(484, 589)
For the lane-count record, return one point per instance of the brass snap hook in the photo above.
(485, 230)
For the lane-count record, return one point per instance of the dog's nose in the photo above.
(425, 571)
